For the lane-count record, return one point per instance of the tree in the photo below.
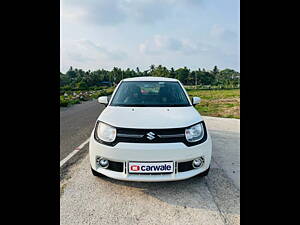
(152, 67)
(207, 78)
(192, 78)
(229, 77)
(215, 70)
(80, 79)
(116, 74)
(82, 86)
(182, 74)
(138, 71)
(71, 73)
(160, 71)
(172, 73)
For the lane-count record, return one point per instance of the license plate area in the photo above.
(148, 168)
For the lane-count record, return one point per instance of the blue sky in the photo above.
(98, 34)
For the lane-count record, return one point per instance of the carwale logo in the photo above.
(162, 167)
(135, 168)
(150, 136)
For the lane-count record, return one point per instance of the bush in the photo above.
(74, 101)
(63, 102)
(79, 96)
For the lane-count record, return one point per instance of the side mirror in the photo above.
(103, 100)
(196, 100)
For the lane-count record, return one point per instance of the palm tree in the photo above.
(152, 67)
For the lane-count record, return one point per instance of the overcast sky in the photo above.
(97, 34)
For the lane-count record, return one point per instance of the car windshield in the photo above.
(150, 93)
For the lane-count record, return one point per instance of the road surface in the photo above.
(76, 124)
(86, 199)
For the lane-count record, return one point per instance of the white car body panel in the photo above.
(150, 118)
(125, 152)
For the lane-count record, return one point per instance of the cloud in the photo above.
(147, 11)
(107, 33)
(223, 34)
(87, 54)
(160, 44)
(78, 57)
(97, 12)
(93, 48)
(112, 12)
(195, 53)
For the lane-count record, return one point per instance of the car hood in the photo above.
(150, 117)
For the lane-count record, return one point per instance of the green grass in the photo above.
(218, 103)
(72, 99)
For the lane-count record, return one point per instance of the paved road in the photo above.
(226, 145)
(215, 199)
(76, 124)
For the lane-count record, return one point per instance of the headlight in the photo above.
(105, 132)
(194, 133)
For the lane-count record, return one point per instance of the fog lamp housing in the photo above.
(199, 162)
(102, 162)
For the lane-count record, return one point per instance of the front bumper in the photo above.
(125, 152)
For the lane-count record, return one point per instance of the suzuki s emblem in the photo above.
(150, 135)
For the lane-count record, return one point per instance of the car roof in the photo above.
(150, 79)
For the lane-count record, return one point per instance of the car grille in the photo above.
(150, 135)
(173, 135)
(170, 135)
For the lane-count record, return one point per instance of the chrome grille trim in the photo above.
(170, 135)
(130, 135)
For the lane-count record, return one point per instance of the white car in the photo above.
(150, 131)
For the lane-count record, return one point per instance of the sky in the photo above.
(96, 34)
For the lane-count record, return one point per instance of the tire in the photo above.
(205, 173)
(95, 173)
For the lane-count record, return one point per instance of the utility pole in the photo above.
(196, 80)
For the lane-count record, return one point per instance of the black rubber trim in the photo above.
(116, 166)
(185, 166)
(157, 139)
